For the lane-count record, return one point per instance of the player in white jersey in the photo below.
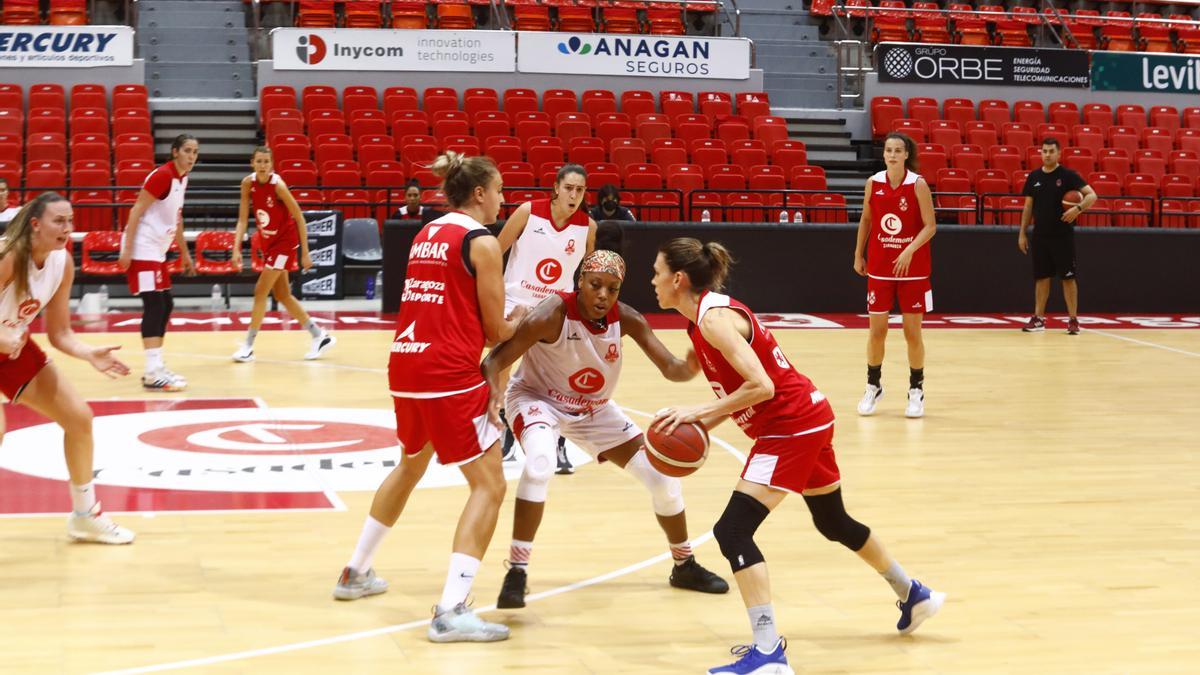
(36, 273)
(545, 240)
(155, 221)
(571, 349)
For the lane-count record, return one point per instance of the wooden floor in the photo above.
(1052, 491)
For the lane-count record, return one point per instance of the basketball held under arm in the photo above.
(635, 326)
(513, 227)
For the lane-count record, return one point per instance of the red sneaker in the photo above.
(1036, 325)
(1073, 326)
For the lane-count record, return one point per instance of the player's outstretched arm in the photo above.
(635, 326)
(58, 330)
(543, 323)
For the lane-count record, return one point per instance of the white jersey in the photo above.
(577, 372)
(43, 284)
(544, 258)
(157, 228)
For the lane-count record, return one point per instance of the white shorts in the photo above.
(602, 429)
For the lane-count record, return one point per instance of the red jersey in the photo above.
(797, 406)
(439, 332)
(895, 222)
(275, 223)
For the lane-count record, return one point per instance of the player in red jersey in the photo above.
(896, 225)
(791, 424)
(155, 222)
(36, 272)
(453, 303)
(281, 229)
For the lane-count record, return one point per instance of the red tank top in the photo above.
(895, 222)
(271, 216)
(797, 406)
(439, 332)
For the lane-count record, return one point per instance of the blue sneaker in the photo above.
(754, 662)
(921, 604)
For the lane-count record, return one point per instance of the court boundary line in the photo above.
(1145, 343)
(400, 627)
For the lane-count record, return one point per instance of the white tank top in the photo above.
(43, 284)
(577, 372)
(544, 258)
(156, 230)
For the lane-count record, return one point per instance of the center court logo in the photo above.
(311, 49)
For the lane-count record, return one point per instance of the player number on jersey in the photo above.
(717, 389)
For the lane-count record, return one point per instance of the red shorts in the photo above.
(16, 374)
(281, 255)
(145, 276)
(915, 295)
(794, 463)
(456, 425)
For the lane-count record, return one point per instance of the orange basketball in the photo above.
(1072, 198)
(680, 453)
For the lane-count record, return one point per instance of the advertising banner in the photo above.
(633, 55)
(957, 64)
(1159, 73)
(65, 46)
(324, 280)
(367, 49)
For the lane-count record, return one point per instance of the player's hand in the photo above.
(495, 400)
(306, 261)
(125, 260)
(1023, 243)
(902, 262)
(518, 312)
(1071, 214)
(189, 266)
(102, 359)
(860, 265)
(236, 259)
(667, 419)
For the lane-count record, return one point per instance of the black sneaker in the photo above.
(564, 463)
(693, 577)
(513, 590)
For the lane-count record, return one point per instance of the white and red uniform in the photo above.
(544, 258)
(276, 227)
(568, 384)
(439, 393)
(156, 231)
(793, 430)
(895, 222)
(16, 374)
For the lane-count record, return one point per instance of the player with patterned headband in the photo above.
(571, 344)
(548, 238)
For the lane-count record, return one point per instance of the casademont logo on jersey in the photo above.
(406, 342)
(891, 224)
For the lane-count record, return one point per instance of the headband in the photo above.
(602, 260)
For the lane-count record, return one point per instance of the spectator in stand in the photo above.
(609, 207)
(7, 212)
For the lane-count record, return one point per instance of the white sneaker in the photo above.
(462, 625)
(916, 403)
(244, 354)
(353, 585)
(163, 380)
(870, 399)
(320, 345)
(97, 527)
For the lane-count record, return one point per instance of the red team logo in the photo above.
(548, 271)
(587, 381)
(570, 246)
(612, 354)
(534, 410)
(29, 308)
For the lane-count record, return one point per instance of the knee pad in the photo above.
(666, 492)
(735, 530)
(832, 521)
(154, 311)
(539, 442)
(168, 307)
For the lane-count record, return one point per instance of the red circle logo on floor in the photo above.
(259, 437)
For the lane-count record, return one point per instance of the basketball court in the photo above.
(1048, 491)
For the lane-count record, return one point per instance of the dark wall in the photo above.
(808, 268)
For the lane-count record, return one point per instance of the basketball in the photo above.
(1072, 198)
(679, 453)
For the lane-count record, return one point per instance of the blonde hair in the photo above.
(18, 236)
(461, 175)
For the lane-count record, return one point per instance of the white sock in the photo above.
(458, 580)
(83, 498)
(762, 623)
(519, 552)
(154, 359)
(898, 579)
(313, 329)
(682, 552)
(250, 335)
(368, 542)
